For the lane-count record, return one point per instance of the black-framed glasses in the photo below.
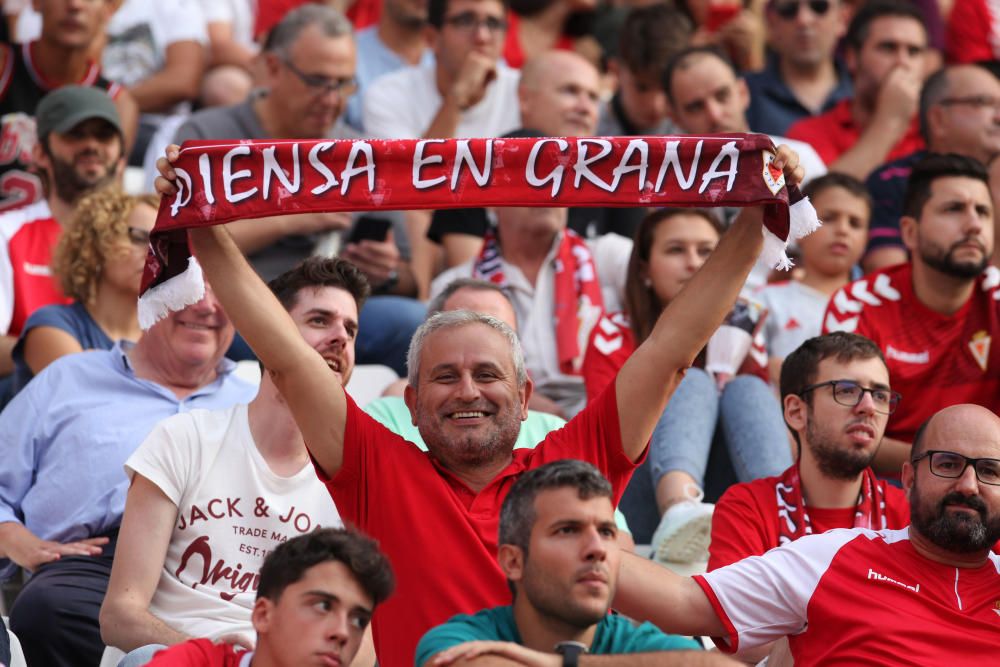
(470, 21)
(321, 84)
(789, 10)
(850, 393)
(978, 102)
(952, 465)
(138, 237)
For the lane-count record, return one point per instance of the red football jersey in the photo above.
(934, 360)
(859, 597)
(745, 521)
(611, 344)
(27, 237)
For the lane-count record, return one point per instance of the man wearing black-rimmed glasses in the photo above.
(923, 595)
(836, 398)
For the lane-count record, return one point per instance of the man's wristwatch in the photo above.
(570, 651)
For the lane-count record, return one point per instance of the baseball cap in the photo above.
(65, 107)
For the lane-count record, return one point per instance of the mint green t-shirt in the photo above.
(391, 412)
(615, 635)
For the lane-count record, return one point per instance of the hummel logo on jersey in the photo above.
(872, 574)
(792, 324)
(37, 269)
(907, 357)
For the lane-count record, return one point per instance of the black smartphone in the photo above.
(369, 228)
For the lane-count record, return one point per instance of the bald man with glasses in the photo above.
(922, 595)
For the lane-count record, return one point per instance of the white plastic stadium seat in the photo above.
(369, 381)
(16, 654)
(111, 656)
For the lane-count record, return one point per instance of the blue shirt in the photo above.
(615, 635)
(887, 186)
(74, 320)
(774, 107)
(65, 438)
(374, 60)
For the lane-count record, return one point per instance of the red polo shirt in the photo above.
(439, 535)
(833, 133)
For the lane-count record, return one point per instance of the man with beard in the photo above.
(922, 595)
(836, 396)
(935, 316)
(79, 149)
(559, 552)
(174, 520)
(435, 514)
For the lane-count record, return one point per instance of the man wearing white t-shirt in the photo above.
(213, 493)
(467, 92)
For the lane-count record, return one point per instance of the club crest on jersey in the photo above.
(979, 346)
(774, 178)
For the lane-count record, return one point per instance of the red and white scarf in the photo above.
(793, 516)
(219, 182)
(577, 291)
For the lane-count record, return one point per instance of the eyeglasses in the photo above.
(980, 102)
(320, 84)
(952, 466)
(470, 22)
(850, 393)
(138, 237)
(790, 10)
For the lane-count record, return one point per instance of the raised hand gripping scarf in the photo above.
(222, 182)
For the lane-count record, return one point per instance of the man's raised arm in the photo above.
(314, 393)
(650, 376)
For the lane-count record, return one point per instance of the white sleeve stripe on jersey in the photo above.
(731, 642)
(883, 287)
(833, 324)
(767, 597)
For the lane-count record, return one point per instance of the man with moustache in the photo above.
(559, 552)
(194, 462)
(468, 391)
(80, 148)
(933, 317)
(836, 397)
(922, 595)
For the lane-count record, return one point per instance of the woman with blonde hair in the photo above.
(98, 263)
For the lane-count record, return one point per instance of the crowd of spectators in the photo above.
(723, 409)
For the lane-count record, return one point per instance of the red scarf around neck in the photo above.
(793, 516)
(219, 182)
(577, 290)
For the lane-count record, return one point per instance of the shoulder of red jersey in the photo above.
(879, 289)
(13, 220)
(611, 333)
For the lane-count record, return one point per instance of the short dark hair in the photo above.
(436, 304)
(320, 272)
(836, 179)
(517, 515)
(869, 12)
(641, 303)
(932, 167)
(649, 37)
(800, 368)
(436, 10)
(680, 60)
(288, 563)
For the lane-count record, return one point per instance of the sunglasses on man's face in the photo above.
(790, 10)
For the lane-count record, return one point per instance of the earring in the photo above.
(647, 282)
